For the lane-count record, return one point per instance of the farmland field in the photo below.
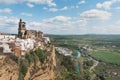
(105, 49)
(107, 56)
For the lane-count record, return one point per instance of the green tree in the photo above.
(41, 54)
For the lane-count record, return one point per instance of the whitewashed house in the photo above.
(47, 40)
(25, 44)
(6, 48)
(7, 38)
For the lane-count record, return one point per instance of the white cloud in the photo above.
(48, 2)
(55, 25)
(58, 19)
(60, 25)
(75, 7)
(26, 14)
(81, 2)
(30, 5)
(118, 8)
(95, 14)
(52, 9)
(64, 8)
(6, 10)
(56, 9)
(35, 24)
(107, 4)
(118, 22)
(109, 29)
(61, 18)
(81, 22)
(45, 8)
(8, 24)
(8, 20)
(8, 1)
(71, 26)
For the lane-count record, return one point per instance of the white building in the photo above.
(7, 38)
(47, 40)
(6, 48)
(64, 51)
(25, 44)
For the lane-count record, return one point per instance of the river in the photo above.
(77, 63)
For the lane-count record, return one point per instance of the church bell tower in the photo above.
(21, 29)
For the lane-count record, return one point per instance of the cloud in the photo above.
(8, 20)
(107, 4)
(36, 24)
(6, 10)
(64, 8)
(26, 14)
(30, 5)
(48, 2)
(58, 19)
(118, 22)
(109, 29)
(8, 24)
(75, 7)
(61, 19)
(54, 25)
(52, 9)
(118, 8)
(8, 1)
(95, 14)
(56, 9)
(81, 22)
(81, 2)
(45, 8)
(60, 25)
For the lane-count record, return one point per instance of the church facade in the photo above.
(23, 33)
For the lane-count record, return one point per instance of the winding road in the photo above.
(94, 65)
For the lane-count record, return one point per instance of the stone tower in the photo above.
(21, 29)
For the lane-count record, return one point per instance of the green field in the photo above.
(105, 49)
(107, 56)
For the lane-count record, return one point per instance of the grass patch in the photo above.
(107, 56)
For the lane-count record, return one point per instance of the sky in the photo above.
(62, 17)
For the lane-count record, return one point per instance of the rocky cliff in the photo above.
(8, 69)
(45, 71)
(37, 70)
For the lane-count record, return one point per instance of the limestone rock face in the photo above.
(45, 71)
(8, 70)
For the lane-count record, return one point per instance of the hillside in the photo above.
(8, 69)
(32, 67)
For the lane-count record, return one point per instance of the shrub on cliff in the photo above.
(23, 67)
(41, 54)
(14, 58)
(30, 56)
